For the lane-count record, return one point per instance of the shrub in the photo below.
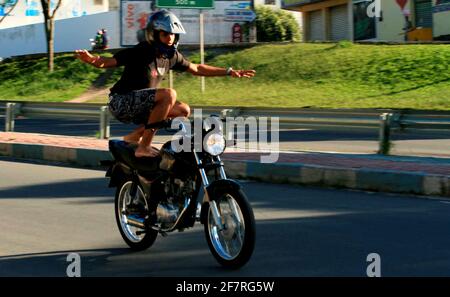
(276, 25)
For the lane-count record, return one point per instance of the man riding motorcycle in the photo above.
(136, 97)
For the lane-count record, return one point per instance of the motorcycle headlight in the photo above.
(214, 144)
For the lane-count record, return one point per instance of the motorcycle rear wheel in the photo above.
(132, 235)
(233, 246)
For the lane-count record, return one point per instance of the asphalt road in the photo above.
(48, 212)
(331, 139)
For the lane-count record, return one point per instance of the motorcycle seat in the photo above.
(124, 152)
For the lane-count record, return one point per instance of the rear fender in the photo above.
(117, 172)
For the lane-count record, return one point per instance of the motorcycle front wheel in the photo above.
(233, 245)
(137, 207)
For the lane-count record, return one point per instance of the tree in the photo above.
(290, 24)
(7, 7)
(276, 25)
(49, 22)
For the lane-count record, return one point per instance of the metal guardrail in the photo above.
(296, 117)
(58, 110)
(289, 118)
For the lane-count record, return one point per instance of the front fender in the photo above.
(222, 184)
(211, 192)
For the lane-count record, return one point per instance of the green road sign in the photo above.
(200, 4)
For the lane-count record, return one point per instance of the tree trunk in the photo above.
(49, 22)
(50, 34)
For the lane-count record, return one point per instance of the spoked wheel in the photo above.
(233, 245)
(130, 214)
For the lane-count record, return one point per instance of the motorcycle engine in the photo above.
(178, 193)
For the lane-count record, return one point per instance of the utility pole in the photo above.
(202, 48)
(252, 33)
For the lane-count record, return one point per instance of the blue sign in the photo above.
(240, 5)
(32, 8)
(2, 11)
(76, 8)
(239, 15)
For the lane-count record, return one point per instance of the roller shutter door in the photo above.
(339, 23)
(316, 25)
(424, 13)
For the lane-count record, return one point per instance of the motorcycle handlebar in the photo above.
(168, 123)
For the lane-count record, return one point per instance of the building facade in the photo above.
(77, 21)
(377, 20)
(219, 22)
(23, 32)
(28, 12)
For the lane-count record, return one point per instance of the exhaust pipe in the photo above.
(136, 221)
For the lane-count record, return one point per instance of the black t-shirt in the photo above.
(143, 69)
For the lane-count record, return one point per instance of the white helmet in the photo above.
(163, 20)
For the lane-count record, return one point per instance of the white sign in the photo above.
(134, 16)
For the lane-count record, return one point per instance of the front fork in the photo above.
(212, 204)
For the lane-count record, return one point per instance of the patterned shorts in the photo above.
(133, 107)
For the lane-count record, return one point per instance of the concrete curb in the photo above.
(359, 179)
(75, 156)
(303, 174)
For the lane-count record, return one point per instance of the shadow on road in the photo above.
(301, 231)
(55, 263)
(79, 188)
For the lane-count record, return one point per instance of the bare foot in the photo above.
(149, 151)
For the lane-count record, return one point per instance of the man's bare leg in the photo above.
(179, 110)
(135, 136)
(164, 101)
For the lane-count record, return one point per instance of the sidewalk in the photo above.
(415, 175)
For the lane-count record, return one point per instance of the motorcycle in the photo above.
(95, 45)
(158, 195)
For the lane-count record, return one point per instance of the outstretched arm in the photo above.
(207, 70)
(96, 61)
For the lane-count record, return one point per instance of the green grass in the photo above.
(29, 79)
(339, 75)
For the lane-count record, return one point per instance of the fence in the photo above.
(289, 118)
